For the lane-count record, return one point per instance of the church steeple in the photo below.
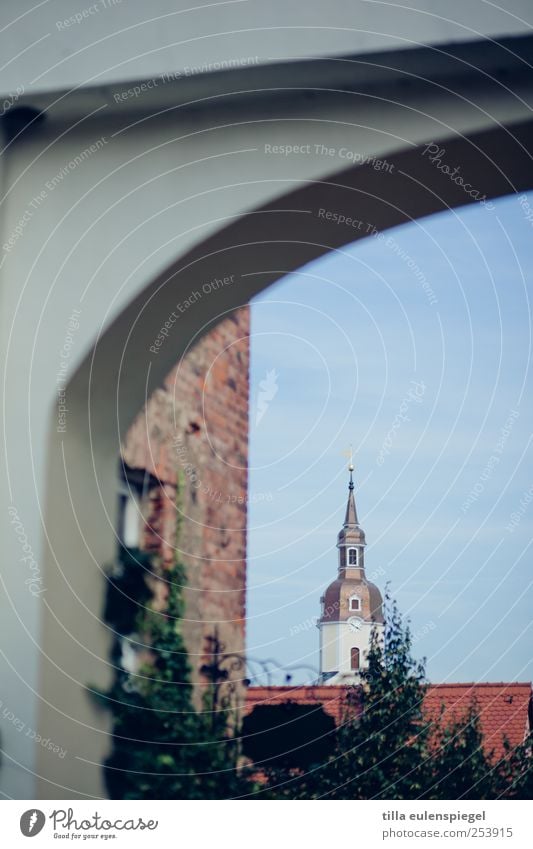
(351, 512)
(351, 605)
(351, 538)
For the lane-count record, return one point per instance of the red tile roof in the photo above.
(504, 709)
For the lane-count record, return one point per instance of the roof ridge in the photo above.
(457, 684)
(484, 684)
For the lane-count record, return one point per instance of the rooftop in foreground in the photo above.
(505, 708)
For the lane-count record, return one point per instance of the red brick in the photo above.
(201, 412)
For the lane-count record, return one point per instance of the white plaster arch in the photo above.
(253, 215)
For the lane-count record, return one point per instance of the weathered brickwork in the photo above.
(195, 430)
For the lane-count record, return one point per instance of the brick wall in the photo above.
(197, 426)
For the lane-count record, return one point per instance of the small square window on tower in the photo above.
(355, 603)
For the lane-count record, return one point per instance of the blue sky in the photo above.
(434, 391)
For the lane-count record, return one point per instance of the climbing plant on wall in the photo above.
(163, 746)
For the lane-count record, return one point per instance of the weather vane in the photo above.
(349, 454)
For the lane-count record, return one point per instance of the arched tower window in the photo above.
(352, 557)
(354, 658)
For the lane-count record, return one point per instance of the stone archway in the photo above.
(255, 263)
(171, 210)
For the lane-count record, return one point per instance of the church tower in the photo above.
(351, 606)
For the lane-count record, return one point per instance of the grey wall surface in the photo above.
(45, 46)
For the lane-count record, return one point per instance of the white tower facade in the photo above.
(350, 608)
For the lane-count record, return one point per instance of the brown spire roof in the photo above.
(351, 532)
(351, 513)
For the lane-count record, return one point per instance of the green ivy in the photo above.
(163, 747)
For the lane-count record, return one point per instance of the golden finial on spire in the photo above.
(350, 465)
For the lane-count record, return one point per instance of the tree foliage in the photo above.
(386, 748)
(164, 748)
